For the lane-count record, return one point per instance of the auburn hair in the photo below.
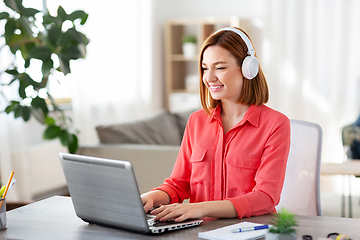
(254, 91)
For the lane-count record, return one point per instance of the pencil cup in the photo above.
(3, 214)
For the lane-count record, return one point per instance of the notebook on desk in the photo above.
(105, 192)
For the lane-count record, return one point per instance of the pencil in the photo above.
(8, 185)
(7, 188)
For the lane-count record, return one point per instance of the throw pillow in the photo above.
(162, 129)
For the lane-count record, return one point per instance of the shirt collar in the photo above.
(215, 114)
(252, 115)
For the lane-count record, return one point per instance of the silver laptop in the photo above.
(105, 192)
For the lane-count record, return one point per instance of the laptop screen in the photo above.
(104, 191)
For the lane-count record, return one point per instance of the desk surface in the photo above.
(350, 167)
(54, 218)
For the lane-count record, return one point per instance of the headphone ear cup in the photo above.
(250, 67)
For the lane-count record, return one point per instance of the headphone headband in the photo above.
(250, 65)
(243, 36)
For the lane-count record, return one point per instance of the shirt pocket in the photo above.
(241, 171)
(199, 166)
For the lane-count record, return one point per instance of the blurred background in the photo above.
(309, 51)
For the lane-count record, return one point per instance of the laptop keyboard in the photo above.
(152, 223)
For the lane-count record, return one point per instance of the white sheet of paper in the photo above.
(225, 233)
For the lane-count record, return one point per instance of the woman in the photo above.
(234, 151)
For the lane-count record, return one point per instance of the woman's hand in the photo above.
(154, 199)
(180, 212)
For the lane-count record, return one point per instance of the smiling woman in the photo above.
(234, 151)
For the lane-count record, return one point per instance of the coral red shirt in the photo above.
(246, 165)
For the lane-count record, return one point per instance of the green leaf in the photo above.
(29, 12)
(64, 63)
(49, 121)
(19, 4)
(4, 15)
(24, 51)
(29, 81)
(14, 4)
(22, 88)
(38, 114)
(12, 81)
(9, 109)
(40, 103)
(62, 14)
(25, 113)
(12, 106)
(42, 53)
(64, 137)
(13, 72)
(53, 35)
(78, 14)
(73, 143)
(13, 42)
(52, 132)
(75, 15)
(64, 39)
(75, 35)
(27, 63)
(48, 20)
(10, 27)
(84, 19)
(47, 66)
(72, 52)
(26, 27)
(17, 111)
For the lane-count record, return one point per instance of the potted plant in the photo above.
(189, 45)
(283, 226)
(31, 34)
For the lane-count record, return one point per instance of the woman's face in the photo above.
(221, 74)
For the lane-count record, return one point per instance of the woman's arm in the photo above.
(180, 212)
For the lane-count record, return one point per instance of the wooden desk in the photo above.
(350, 167)
(54, 218)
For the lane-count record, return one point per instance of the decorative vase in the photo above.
(189, 49)
(280, 236)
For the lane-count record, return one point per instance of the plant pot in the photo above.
(279, 236)
(189, 49)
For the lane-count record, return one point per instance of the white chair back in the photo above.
(301, 190)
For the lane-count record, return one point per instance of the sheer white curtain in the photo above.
(312, 62)
(114, 83)
(13, 132)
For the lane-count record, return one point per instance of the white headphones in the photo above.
(250, 66)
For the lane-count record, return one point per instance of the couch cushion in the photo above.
(161, 129)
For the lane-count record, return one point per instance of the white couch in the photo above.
(151, 163)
